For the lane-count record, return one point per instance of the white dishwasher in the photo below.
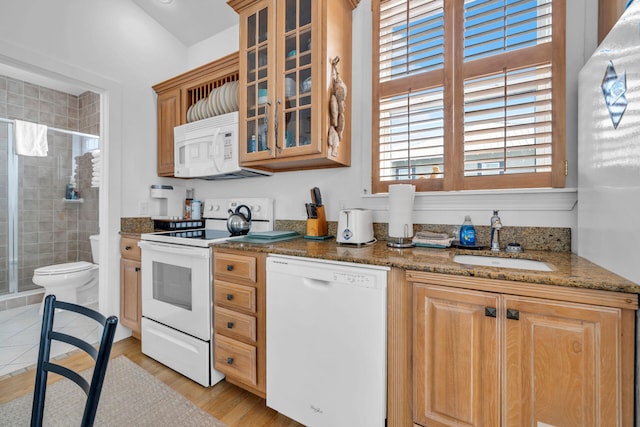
(327, 341)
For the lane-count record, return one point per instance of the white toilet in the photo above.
(70, 280)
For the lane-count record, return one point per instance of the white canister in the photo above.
(196, 209)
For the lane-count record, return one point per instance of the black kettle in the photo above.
(237, 223)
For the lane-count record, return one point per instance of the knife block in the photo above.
(318, 226)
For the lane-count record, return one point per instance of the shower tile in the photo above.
(45, 106)
(60, 121)
(15, 99)
(31, 103)
(14, 112)
(31, 90)
(46, 94)
(47, 118)
(60, 98)
(60, 109)
(15, 86)
(31, 115)
(3, 95)
(3, 83)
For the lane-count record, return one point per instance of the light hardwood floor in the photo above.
(228, 403)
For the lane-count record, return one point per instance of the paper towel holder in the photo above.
(401, 242)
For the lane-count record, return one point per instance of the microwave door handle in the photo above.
(218, 150)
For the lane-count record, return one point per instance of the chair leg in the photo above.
(37, 410)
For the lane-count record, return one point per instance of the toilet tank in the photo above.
(95, 248)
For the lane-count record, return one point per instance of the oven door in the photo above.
(176, 287)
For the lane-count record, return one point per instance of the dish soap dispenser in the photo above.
(467, 232)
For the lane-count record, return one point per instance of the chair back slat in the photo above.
(93, 389)
(77, 342)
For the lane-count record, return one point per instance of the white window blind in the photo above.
(478, 101)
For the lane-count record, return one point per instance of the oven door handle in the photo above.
(175, 249)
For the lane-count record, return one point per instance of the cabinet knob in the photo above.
(229, 267)
(230, 325)
(137, 269)
(230, 360)
(229, 297)
(490, 311)
(127, 248)
(513, 314)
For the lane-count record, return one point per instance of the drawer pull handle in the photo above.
(229, 267)
(513, 314)
(230, 325)
(127, 248)
(229, 297)
(230, 360)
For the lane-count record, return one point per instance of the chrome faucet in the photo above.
(496, 225)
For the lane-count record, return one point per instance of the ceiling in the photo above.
(191, 21)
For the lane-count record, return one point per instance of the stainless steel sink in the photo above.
(492, 261)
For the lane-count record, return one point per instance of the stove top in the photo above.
(215, 230)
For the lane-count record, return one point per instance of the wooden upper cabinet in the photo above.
(286, 53)
(178, 94)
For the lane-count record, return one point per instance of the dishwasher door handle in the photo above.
(321, 285)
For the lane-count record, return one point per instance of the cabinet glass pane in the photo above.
(263, 27)
(251, 31)
(291, 52)
(251, 101)
(262, 135)
(290, 132)
(304, 137)
(305, 13)
(291, 9)
(251, 66)
(251, 137)
(263, 60)
(290, 88)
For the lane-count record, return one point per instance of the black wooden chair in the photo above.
(100, 355)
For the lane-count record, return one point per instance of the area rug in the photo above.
(130, 397)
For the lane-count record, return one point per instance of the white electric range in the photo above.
(177, 288)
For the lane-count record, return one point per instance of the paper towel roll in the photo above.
(401, 210)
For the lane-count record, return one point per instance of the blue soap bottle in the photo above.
(467, 232)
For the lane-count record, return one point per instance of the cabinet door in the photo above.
(299, 77)
(168, 118)
(130, 299)
(456, 374)
(257, 81)
(561, 364)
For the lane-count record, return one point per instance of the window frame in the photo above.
(452, 77)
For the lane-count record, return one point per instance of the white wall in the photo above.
(113, 48)
(350, 187)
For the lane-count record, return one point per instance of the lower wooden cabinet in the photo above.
(547, 357)
(239, 318)
(130, 282)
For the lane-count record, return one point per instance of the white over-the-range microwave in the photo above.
(209, 149)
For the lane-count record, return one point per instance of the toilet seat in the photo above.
(67, 268)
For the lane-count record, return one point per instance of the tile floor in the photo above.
(20, 334)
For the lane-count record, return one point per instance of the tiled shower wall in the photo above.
(50, 230)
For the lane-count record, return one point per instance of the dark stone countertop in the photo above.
(569, 269)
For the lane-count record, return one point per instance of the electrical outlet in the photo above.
(143, 208)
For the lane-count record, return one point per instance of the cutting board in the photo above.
(267, 237)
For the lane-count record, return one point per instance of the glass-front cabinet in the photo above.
(286, 82)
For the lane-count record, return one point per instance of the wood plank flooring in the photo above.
(228, 403)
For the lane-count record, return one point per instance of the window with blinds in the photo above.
(481, 107)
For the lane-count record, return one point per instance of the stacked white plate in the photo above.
(221, 100)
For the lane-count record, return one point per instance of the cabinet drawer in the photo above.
(234, 324)
(236, 359)
(235, 296)
(129, 248)
(233, 266)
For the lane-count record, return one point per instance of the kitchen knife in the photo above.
(316, 197)
(314, 212)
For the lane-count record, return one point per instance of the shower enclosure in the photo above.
(39, 224)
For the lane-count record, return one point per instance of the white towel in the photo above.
(31, 139)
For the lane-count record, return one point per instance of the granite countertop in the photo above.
(568, 269)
